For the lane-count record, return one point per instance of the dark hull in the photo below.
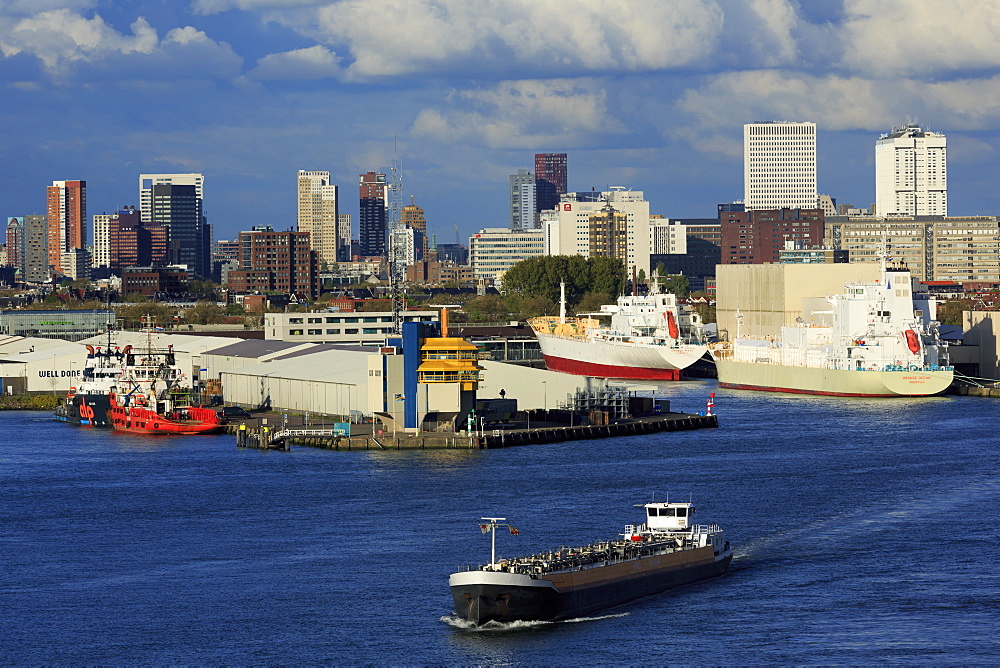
(481, 603)
(86, 410)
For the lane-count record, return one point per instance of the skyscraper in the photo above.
(67, 208)
(318, 214)
(413, 217)
(176, 201)
(15, 243)
(35, 261)
(372, 214)
(550, 180)
(911, 173)
(133, 243)
(779, 165)
(522, 200)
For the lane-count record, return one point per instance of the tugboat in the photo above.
(665, 552)
(87, 404)
(155, 396)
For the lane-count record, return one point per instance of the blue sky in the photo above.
(648, 94)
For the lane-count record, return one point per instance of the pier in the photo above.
(364, 438)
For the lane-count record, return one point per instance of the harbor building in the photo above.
(67, 220)
(768, 297)
(494, 250)
(550, 180)
(522, 200)
(911, 173)
(779, 165)
(318, 213)
(961, 249)
(368, 328)
(615, 223)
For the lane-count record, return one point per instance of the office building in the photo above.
(101, 251)
(318, 213)
(588, 228)
(911, 173)
(456, 253)
(412, 217)
(494, 250)
(344, 237)
(703, 251)
(133, 243)
(779, 166)
(153, 281)
(550, 180)
(67, 218)
(272, 261)
(758, 236)
(176, 201)
(373, 214)
(961, 249)
(522, 200)
(14, 239)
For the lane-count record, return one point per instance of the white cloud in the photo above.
(63, 40)
(898, 38)
(398, 37)
(518, 114)
(206, 7)
(315, 62)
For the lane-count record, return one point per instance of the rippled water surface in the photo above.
(865, 531)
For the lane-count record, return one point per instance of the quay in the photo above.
(363, 437)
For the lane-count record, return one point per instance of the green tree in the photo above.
(950, 312)
(678, 285)
(706, 311)
(542, 276)
(522, 307)
(593, 301)
(488, 308)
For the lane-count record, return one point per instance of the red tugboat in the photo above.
(155, 396)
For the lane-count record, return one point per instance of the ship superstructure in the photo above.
(668, 550)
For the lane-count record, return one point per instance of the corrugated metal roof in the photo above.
(334, 365)
(253, 348)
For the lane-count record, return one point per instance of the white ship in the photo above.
(874, 341)
(646, 338)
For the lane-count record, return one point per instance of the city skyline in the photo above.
(653, 98)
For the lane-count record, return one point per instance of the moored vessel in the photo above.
(872, 340)
(87, 404)
(647, 337)
(669, 550)
(155, 396)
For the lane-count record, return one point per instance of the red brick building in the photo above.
(272, 261)
(134, 244)
(147, 281)
(756, 237)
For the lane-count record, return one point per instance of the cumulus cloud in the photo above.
(518, 114)
(898, 38)
(543, 37)
(63, 39)
(315, 62)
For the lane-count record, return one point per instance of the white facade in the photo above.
(318, 213)
(76, 263)
(147, 181)
(779, 165)
(567, 231)
(369, 328)
(494, 250)
(911, 173)
(102, 240)
(667, 236)
(522, 200)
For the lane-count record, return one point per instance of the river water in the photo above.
(865, 532)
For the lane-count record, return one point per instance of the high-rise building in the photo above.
(133, 243)
(522, 200)
(318, 213)
(550, 180)
(373, 214)
(15, 242)
(35, 261)
(494, 250)
(101, 255)
(176, 201)
(779, 165)
(276, 261)
(344, 237)
(911, 173)
(412, 216)
(67, 209)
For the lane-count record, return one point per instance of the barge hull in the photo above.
(481, 603)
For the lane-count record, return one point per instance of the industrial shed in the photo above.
(188, 348)
(236, 356)
(331, 380)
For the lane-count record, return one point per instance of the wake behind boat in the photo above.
(667, 551)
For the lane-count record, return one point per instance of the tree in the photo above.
(522, 307)
(593, 301)
(950, 312)
(678, 285)
(542, 275)
(488, 308)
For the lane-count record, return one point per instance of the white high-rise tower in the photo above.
(318, 214)
(779, 165)
(911, 173)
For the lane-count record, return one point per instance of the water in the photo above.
(865, 532)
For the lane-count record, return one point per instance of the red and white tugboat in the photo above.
(668, 551)
(155, 396)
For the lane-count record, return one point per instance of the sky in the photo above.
(646, 94)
